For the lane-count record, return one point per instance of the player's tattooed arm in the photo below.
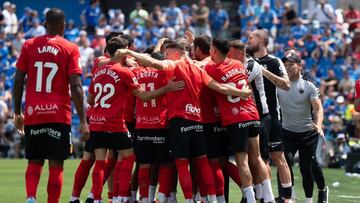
(149, 95)
(281, 82)
(226, 89)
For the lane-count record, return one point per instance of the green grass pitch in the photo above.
(12, 187)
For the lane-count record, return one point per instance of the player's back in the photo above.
(153, 113)
(48, 62)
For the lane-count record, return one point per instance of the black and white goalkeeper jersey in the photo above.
(275, 66)
(257, 85)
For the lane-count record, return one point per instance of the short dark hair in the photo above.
(149, 50)
(111, 35)
(114, 44)
(175, 45)
(166, 42)
(221, 44)
(237, 44)
(55, 17)
(158, 55)
(128, 38)
(203, 43)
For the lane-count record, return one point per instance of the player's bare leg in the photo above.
(241, 159)
(284, 173)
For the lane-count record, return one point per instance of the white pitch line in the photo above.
(349, 197)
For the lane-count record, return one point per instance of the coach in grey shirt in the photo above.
(301, 130)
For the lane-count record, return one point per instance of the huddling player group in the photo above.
(178, 111)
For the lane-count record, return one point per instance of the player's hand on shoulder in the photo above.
(175, 85)
(246, 93)
(120, 53)
(84, 129)
(19, 123)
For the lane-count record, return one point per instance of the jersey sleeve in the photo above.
(315, 94)
(129, 79)
(255, 71)
(206, 78)
(22, 61)
(75, 62)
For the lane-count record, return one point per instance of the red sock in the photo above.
(110, 195)
(218, 177)
(125, 173)
(55, 183)
(116, 179)
(165, 179)
(233, 172)
(32, 177)
(81, 175)
(202, 186)
(182, 166)
(144, 181)
(97, 178)
(110, 164)
(203, 166)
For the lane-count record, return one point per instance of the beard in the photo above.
(251, 50)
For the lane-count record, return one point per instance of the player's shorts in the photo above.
(131, 128)
(239, 134)
(186, 138)
(48, 141)
(216, 140)
(273, 127)
(111, 140)
(152, 146)
(89, 146)
(264, 136)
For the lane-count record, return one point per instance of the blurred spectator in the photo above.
(117, 20)
(25, 20)
(174, 16)
(36, 29)
(268, 20)
(98, 43)
(90, 17)
(290, 16)
(346, 84)
(219, 20)
(330, 84)
(4, 51)
(324, 13)
(103, 26)
(352, 16)
(200, 17)
(71, 31)
(18, 42)
(187, 18)
(10, 18)
(157, 16)
(86, 52)
(246, 13)
(258, 8)
(298, 32)
(139, 14)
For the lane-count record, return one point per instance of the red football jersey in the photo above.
(110, 84)
(186, 103)
(48, 62)
(232, 109)
(357, 89)
(209, 109)
(151, 114)
(97, 60)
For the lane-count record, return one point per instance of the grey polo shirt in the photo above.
(295, 104)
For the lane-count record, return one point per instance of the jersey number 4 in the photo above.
(107, 88)
(39, 77)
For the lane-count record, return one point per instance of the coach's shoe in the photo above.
(323, 196)
(243, 200)
(75, 201)
(30, 200)
(89, 200)
(279, 200)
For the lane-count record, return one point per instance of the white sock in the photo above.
(188, 201)
(133, 196)
(74, 198)
(250, 195)
(145, 200)
(212, 198)
(202, 199)
(162, 197)
(221, 199)
(172, 197)
(114, 199)
(267, 192)
(152, 191)
(91, 195)
(309, 200)
(258, 191)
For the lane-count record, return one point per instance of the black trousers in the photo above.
(310, 169)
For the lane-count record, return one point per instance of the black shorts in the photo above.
(111, 140)
(186, 138)
(152, 146)
(264, 136)
(89, 146)
(48, 141)
(239, 134)
(216, 140)
(276, 142)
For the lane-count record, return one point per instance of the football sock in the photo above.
(55, 183)
(81, 175)
(32, 177)
(144, 181)
(182, 166)
(233, 172)
(97, 178)
(125, 173)
(202, 164)
(218, 177)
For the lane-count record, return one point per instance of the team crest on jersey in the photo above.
(235, 111)
(30, 110)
